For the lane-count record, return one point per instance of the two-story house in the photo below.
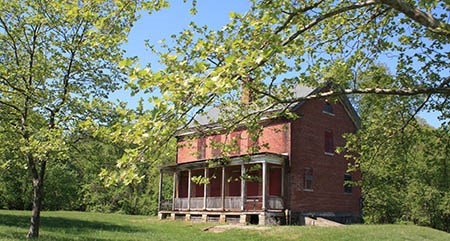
(296, 172)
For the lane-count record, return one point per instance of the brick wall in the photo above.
(304, 141)
(275, 134)
(308, 151)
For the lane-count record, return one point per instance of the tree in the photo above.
(403, 160)
(277, 41)
(280, 44)
(56, 59)
(102, 145)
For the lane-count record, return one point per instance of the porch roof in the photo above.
(267, 157)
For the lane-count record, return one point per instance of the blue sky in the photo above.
(162, 24)
(172, 20)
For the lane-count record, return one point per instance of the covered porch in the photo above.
(245, 184)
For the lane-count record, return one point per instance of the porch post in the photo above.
(160, 189)
(242, 187)
(189, 190)
(282, 180)
(205, 190)
(223, 188)
(264, 182)
(175, 187)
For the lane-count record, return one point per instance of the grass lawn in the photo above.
(95, 226)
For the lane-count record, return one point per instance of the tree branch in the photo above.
(10, 105)
(379, 91)
(416, 112)
(294, 14)
(415, 14)
(326, 16)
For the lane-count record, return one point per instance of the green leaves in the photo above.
(399, 153)
(59, 60)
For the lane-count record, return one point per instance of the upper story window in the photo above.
(347, 184)
(236, 143)
(328, 109)
(215, 146)
(201, 147)
(329, 142)
(253, 145)
(308, 179)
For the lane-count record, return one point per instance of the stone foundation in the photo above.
(259, 218)
(309, 218)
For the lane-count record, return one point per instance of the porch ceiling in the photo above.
(267, 157)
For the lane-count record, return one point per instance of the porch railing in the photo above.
(275, 203)
(231, 203)
(196, 203)
(214, 202)
(166, 205)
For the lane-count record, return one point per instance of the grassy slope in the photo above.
(94, 226)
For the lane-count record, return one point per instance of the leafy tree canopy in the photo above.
(280, 44)
(58, 61)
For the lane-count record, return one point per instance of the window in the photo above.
(183, 184)
(215, 146)
(347, 184)
(329, 142)
(215, 182)
(275, 181)
(234, 183)
(198, 188)
(328, 109)
(253, 146)
(308, 179)
(201, 147)
(253, 182)
(236, 143)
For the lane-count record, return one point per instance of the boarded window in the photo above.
(275, 181)
(329, 142)
(254, 181)
(236, 143)
(201, 147)
(347, 183)
(215, 146)
(234, 183)
(183, 184)
(308, 179)
(215, 182)
(253, 144)
(197, 187)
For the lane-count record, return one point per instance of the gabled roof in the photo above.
(212, 115)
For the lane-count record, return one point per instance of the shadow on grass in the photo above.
(72, 227)
(16, 235)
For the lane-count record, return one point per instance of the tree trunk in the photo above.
(38, 191)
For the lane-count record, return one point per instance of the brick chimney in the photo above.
(247, 95)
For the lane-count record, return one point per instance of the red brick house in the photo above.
(296, 175)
